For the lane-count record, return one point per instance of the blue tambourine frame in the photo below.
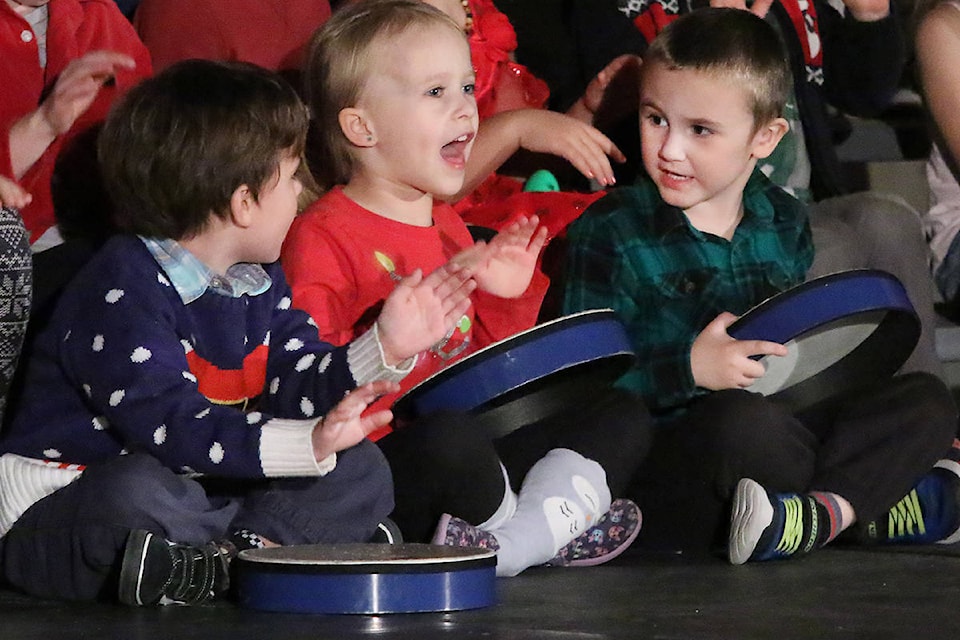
(819, 306)
(529, 375)
(366, 578)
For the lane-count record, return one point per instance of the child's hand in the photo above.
(343, 426)
(505, 266)
(12, 195)
(615, 89)
(721, 362)
(579, 143)
(420, 311)
(78, 85)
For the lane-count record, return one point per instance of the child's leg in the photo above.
(884, 439)
(68, 545)
(612, 429)
(686, 484)
(445, 463)
(562, 495)
(875, 443)
(343, 506)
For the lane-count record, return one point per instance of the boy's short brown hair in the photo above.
(174, 149)
(732, 43)
(339, 62)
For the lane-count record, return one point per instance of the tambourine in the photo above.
(528, 376)
(366, 578)
(843, 331)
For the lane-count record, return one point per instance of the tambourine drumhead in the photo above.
(366, 578)
(529, 375)
(843, 331)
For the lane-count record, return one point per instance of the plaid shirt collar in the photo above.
(755, 207)
(191, 277)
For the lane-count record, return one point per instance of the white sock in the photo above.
(562, 495)
(25, 481)
(508, 506)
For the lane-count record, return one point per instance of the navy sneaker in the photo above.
(157, 571)
(766, 526)
(928, 513)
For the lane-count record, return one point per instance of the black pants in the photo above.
(869, 447)
(446, 463)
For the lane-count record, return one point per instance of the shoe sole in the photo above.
(131, 571)
(750, 515)
(616, 551)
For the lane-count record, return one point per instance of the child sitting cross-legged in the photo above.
(396, 127)
(177, 408)
(703, 236)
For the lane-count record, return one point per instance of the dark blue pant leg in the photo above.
(343, 506)
(69, 544)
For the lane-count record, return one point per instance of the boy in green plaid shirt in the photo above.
(702, 237)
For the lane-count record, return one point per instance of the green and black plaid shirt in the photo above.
(666, 280)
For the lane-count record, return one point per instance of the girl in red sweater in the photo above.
(395, 130)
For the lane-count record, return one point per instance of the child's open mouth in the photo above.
(455, 151)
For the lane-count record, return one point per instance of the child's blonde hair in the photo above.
(338, 64)
(732, 43)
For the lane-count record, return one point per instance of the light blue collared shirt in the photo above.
(191, 277)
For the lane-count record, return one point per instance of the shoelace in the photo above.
(905, 516)
(793, 540)
(196, 570)
(792, 536)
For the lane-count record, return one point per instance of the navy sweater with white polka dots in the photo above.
(227, 386)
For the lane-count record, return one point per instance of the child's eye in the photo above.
(435, 92)
(700, 130)
(469, 89)
(657, 120)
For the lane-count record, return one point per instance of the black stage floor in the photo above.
(835, 593)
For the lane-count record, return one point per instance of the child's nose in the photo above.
(467, 106)
(672, 146)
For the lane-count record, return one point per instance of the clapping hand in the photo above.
(12, 195)
(421, 310)
(344, 425)
(505, 266)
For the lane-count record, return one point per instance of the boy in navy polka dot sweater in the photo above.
(178, 408)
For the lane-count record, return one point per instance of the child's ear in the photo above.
(356, 127)
(241, 206)
(765, 140)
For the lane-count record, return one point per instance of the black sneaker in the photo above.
(157, 571)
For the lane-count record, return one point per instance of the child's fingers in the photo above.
(357, 400)
(538, 241)
(13, 195)
(458, 299)
(375, 420)
(762, 348)
(470, 258)
(456, 312)
(519, 232)
(447, 280)
(591, 156)
(413, 279)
